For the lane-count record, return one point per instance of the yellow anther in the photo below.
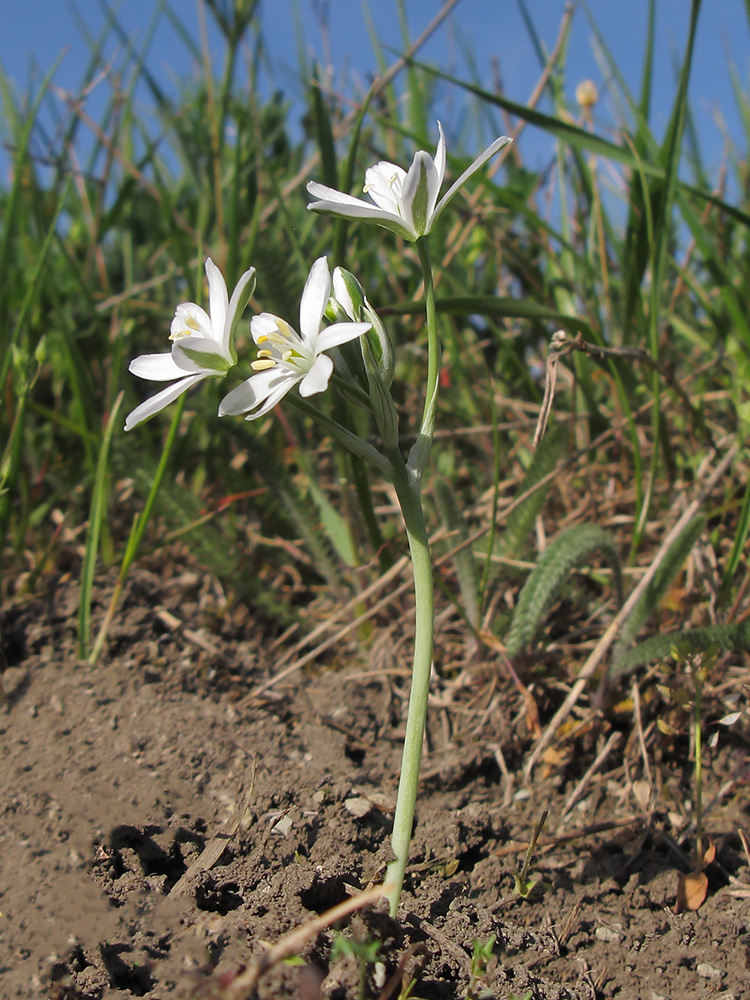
(262, 364)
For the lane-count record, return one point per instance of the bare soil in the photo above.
(115, 778)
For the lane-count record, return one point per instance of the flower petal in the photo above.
(314, 300)
(156, 367)
(254, 390)
(217, 300)
(189, 320)
(420, 193)
(344, 206)
(317, 378)
(156, 403)
(263, 326)
(340, 333)
(275, 397)
(384, 184)
(318, 190)
(196, 354)
(237, 304)
(440, 157)
(495, 147)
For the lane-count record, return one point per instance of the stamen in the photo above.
(263, 364)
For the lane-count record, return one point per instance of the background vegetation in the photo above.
(624, 241)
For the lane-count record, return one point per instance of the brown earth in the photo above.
(115, 777)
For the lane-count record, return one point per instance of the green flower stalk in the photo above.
(408, 479)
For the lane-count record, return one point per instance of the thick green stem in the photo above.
(416, 530)
(407, 481)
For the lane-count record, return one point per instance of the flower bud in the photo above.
(586, 94)
(381, 401)
(348, 298)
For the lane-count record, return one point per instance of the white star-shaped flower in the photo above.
(405, 202)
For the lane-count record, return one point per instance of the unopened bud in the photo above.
(347, 295)
(586, 94)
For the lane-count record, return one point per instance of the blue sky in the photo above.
(36, 32)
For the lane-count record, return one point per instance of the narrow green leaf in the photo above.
(565, 553)
(97, 512)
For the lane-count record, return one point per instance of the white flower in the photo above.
(287, 358)
(202, 344)
(404, 202)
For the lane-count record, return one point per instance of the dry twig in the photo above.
(293, 942)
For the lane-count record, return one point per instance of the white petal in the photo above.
(495, 147)
(156, 403)
(217, 299)
(255, 390)
(263, 326)
(440, 157)
(331, 194)
(317, 378)
(237, 305)
(189, 318)
(276, 396)
(156, 367)
(314, 300)
(356, 209)
(197, 354)
(340, 333)
(384, 184)
(420, 193)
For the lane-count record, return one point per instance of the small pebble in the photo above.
(358, 806)
(611, 935)
(706, 971)
(283, 826)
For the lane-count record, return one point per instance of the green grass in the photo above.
(97, 248)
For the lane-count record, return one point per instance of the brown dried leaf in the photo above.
(642, 793)
(691, 891)
(532, 714)
(665, 728)
(709, 855)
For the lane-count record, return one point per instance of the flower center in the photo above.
(283, 347)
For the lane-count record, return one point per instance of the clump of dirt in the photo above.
(118, 777)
